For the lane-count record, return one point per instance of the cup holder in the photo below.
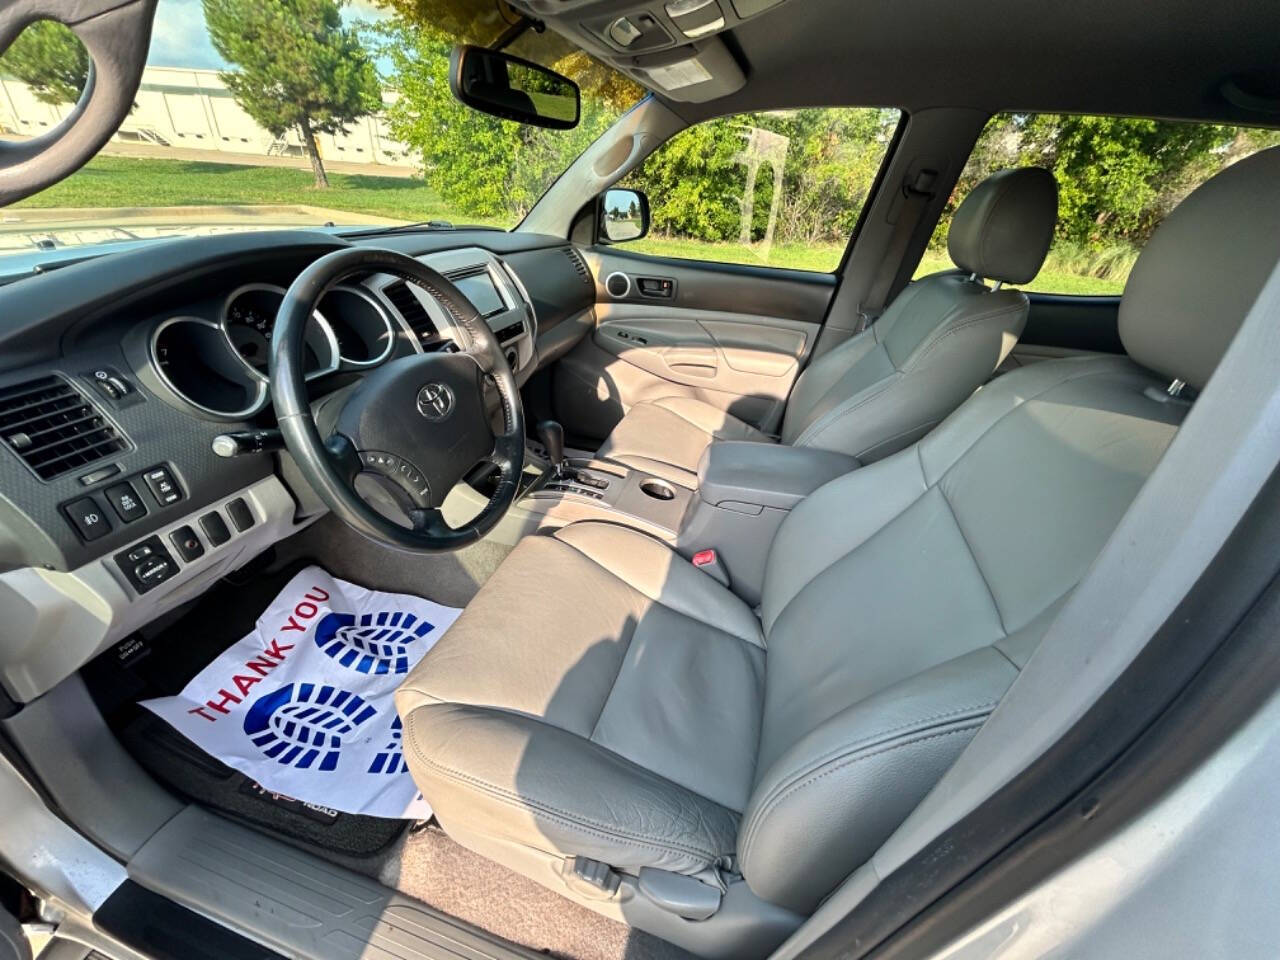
(658, 489)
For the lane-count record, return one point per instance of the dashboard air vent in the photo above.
(54, 428)
(579, 265)
(414, 313)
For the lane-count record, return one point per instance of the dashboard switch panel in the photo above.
(126, 502)
(240, 514)
(187, 543)
(146, 565)
(88, 518)
(162, 485)
(215, 528)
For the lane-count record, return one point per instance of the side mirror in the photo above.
(505, 86)
(624, 215)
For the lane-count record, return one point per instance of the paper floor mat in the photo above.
(303, 704)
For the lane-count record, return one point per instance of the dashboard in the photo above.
(118, 373)
(214, 359)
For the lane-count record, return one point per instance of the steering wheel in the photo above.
(420, 422)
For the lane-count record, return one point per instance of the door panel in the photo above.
(731, 336)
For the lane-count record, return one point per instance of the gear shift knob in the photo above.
(552, 436)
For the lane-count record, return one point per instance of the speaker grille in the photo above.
(618, 284)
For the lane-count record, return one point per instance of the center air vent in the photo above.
(414, 313)
(579, 265)
(54, 428)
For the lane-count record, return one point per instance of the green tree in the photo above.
(696, 181)
(466, 21)
(1118, 177)
(50, 60)
(298, 67)
(480, 165)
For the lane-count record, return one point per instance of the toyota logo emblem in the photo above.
(435, 401)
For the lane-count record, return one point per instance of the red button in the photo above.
(704, 557)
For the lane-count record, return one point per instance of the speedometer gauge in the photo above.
(249, 319)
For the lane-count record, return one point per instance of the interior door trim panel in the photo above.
(703, 285)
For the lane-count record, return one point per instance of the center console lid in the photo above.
(766, 474)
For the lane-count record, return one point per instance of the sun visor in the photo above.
(692, 74)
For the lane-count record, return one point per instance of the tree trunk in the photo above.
(313, 154)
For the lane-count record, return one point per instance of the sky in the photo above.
(179, 37)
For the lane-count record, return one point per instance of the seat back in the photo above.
(901, 600)
(941, 338)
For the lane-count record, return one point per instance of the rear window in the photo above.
(1117, 179)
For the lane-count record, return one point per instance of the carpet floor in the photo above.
(430, 867)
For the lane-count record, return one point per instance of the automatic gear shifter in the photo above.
(552, 436)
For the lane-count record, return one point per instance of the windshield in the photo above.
(262, 114)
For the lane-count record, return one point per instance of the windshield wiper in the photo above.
(402, 228)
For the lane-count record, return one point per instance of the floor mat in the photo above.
(304, 702)
(162, 664)
(443, 874)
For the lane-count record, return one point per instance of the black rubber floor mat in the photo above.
(138, 669)
(185, 768)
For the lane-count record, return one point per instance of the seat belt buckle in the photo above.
(708, 561)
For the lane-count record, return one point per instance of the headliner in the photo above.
(1157, 58)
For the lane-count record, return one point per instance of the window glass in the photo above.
(1117, 179)
(256, 114)
(782, 189)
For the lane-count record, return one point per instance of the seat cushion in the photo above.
(666, 437)
(600, 697)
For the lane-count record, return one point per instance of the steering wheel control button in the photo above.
(126, 502)
(187, 543)
(146, 565)
(240, 514)
(162, 485)
(89, 520)
(96, 476)
(396, 468)
(215, 528)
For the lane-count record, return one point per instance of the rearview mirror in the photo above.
(505, 86)
(624, 215)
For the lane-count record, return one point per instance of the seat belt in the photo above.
(917, 192)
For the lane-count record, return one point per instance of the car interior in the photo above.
(769, 577)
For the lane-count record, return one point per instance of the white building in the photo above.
(193, 109)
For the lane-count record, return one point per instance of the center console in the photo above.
(745, 491)
(598, 490)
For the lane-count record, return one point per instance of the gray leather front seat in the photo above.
(601, 698)
(888, 386)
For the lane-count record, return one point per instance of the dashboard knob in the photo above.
(248, 441)
(225, 445)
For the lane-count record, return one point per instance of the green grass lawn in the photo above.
(147, 182)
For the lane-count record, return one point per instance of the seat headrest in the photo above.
(1003, 229)
(1202, 270)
